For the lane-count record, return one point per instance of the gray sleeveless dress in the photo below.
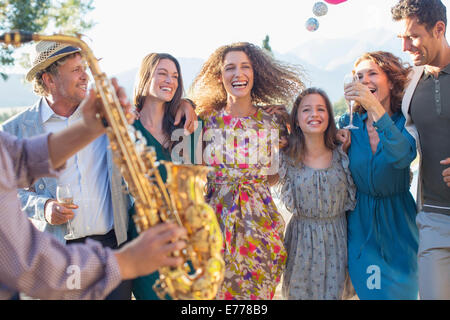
(316, 236)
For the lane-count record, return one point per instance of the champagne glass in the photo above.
(350, 78)
(64, 196)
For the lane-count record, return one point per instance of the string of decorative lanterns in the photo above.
(319, 9)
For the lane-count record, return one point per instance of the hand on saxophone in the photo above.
(151, 250)
(92, 108)
(64, 144)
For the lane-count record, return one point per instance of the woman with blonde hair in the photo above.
(382, 234)
(232, 86)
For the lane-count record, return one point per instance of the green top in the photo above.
(142, 286)
(161, 152)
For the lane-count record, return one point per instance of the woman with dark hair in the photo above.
(158, 99)
(316, 187)
(232, 86)
(382, 234)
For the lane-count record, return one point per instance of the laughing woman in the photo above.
(232, 85)
(382, 234)
(158, 100)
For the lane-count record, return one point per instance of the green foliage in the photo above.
(265, 44)
(8, 114)
(340, 107)
(40, 15)
(69, 15)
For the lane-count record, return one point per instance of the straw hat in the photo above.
(47, 52)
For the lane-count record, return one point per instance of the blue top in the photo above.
(382, 233)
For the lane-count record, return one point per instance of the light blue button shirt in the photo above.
(87, 174)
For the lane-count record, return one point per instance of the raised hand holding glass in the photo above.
(350, 78)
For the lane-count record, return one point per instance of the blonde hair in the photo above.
(275, 82)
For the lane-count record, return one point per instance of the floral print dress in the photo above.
(316, 235)
(254, 253)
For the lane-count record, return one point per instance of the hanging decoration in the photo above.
(334, 1)
(312, 24)
(320, 9)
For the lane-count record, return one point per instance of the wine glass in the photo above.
(350, 78)
(64, 196)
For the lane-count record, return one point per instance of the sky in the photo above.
(126, 31)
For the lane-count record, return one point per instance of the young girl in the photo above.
(231, 86)
(316, 187)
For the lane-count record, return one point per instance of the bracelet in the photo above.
(190, 102)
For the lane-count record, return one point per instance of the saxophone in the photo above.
(180, 199)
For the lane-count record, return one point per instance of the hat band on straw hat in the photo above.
(45, 58)
(65, 50)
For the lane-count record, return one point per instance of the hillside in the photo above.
(325, 63)
(15, 93)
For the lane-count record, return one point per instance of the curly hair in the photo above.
(428, 12)
(395, 70)
(39, 86)
(141, 89)
(296, 146)
(275, 82)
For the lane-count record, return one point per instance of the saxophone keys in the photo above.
(132, 136)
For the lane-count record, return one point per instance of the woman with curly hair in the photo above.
(382, 234)
(229, 91)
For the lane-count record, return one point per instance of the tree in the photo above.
(340, 107)
(265, 44)
(40, 15)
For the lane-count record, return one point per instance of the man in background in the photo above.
(426, 107)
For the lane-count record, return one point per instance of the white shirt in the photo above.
(87, 174)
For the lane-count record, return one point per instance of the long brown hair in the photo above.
(141, 89)
(275, 82)
(395, 70)
(296, 148)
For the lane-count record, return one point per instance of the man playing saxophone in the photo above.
(38, 264)
(59, 76)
